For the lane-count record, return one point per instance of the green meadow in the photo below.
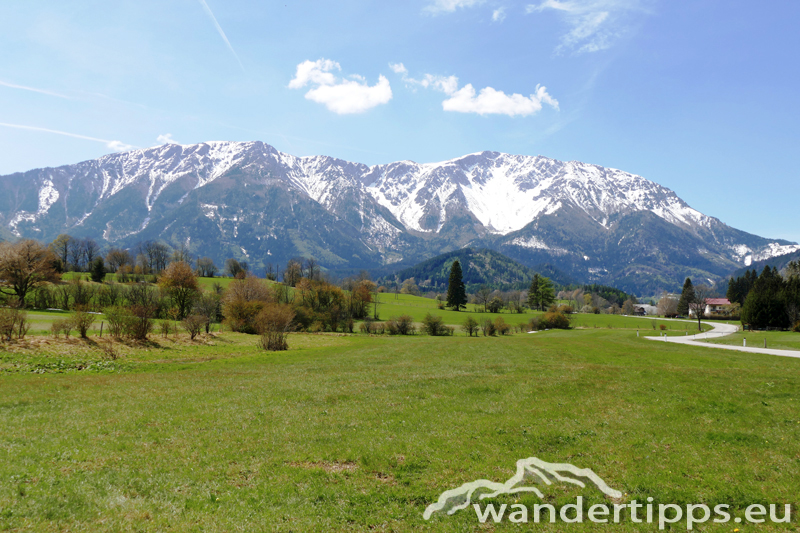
(784, 340)
(361, 433)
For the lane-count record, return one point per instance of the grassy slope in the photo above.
(349, 433)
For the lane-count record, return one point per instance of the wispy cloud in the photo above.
(499, 14)
(342, 96)
(448, 6)
(221, 32)
(34, 90)
(487, 101)
(117, 146)
(594, 24)
(398, 68)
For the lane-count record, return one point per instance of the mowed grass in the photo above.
(785, 340)
(357, 433)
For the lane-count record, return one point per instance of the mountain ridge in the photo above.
(251, 201)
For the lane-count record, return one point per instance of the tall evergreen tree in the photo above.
(547, 293)
(541, 293)
(456, 291)
(687, 297)
(533, 293)
(98, 270)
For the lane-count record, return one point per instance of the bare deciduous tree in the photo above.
(117, 258)
(24, 266)
(667, 305)
(698, 304)
(206, 267)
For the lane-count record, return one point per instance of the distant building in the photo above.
(645, 310)
(717, 306)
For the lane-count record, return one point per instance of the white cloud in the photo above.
(166, 138)
(318, 72)
(488, 101)
(116, 146)
(594, 24)
(342, 96)
(448, 6)
(499, 14)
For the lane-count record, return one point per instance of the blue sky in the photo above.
(701, 97)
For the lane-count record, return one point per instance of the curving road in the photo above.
(721, 330)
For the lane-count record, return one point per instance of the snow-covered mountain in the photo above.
(250, 200)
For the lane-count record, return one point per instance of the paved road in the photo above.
(721, 330)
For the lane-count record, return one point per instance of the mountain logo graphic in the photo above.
(530, 470)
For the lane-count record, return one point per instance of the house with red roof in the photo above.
(715, 306)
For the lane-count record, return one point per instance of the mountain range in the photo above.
(250, 201)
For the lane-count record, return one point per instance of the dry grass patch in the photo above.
(331, 467)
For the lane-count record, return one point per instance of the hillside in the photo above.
(479, 267)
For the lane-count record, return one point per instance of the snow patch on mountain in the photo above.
(48, 195)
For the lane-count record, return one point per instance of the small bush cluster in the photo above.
(470, 326)
(550, 320)
(274, 322)
(433, 325)
(402, 325)
(194, 324)
(13, 323)
(81, 321)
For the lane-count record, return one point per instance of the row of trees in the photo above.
(769, 300)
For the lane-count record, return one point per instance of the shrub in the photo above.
(165, 326)
(193, 324)
(402, 325)
(274, 323)
(487, 326)
(500, 326)
(349, 325)
(433, 326)
(366, 326)
(663, 327)
(495, 304)
(796, 327)
(13, 322)
(119, 320)
(379, 328)
(470, 326)
(243, 301)
(142, 323)
(82, 322)
(62, 325)
(556, 320)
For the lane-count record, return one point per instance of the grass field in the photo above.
(775, 339)
(358, 433)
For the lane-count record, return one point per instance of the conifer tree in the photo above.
(687, 297)
(547, 294)
(533, 293)
(98, 270)
(456, 292)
